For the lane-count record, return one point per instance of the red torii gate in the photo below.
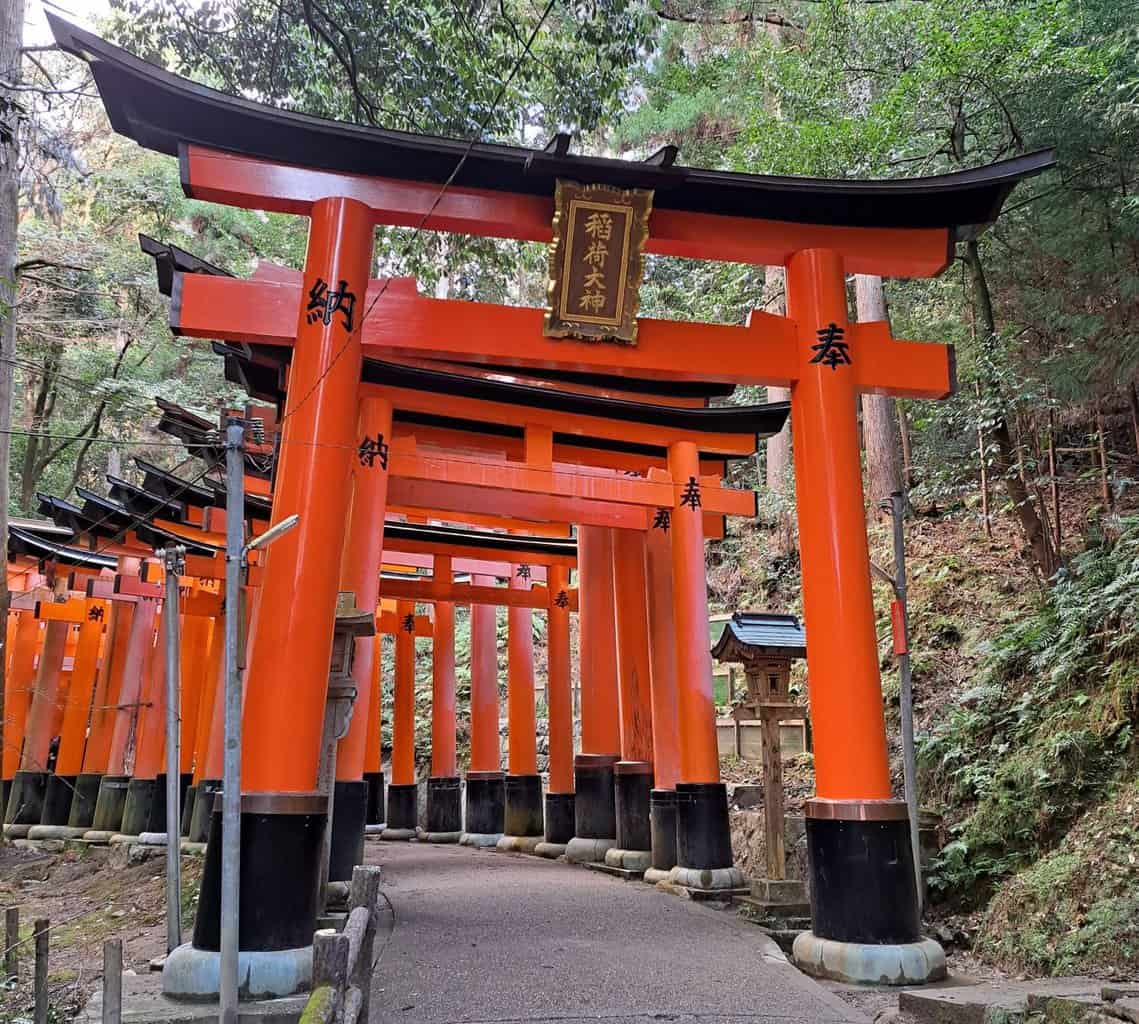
(238, 152)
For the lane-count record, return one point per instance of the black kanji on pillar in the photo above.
(831, 350)
(409, 623)
(371, 450)
(663, 519)
(324, 304)
(562, 600)
(690, 496)
(523, 572)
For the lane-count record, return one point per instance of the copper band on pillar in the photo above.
(855, 810)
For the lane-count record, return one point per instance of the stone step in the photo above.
(1010, 1002)
(608, 869)
(766, 909)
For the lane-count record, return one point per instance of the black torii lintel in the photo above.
(165, 112)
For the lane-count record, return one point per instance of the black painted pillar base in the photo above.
(281, 840)
(26, 799)
(375, 781)
(136, 808)
(57, 800)
(83, 800)
(110, 803)
(5, 792)
(595, 807)
(444, 806)
(632, 784)
(188, 802)
(349, 809)
(203, 810)
(157, 820)
(486, 803)
(861, 872)
(559, 818)
(522, 814)
(703, 836)
(662, 815)
(403, 807)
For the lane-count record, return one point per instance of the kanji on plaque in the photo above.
(596, 262)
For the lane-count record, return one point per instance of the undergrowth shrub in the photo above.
(1048, 729)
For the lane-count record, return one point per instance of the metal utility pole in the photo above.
(174, 564)
(900, 616)
(231, 770)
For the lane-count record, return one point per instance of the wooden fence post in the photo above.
(42, 927)
(112, 981)
(12, 942)
(365, 893)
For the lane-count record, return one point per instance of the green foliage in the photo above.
(1049, 726)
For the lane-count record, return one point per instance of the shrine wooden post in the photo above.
(403, 793)
(559, 805)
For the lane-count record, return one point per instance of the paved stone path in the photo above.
(481, 936)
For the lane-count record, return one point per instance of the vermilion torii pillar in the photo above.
(560, 798)
(444, 793)
(666, 733)
(403, 796)
(486, 787)
(360, 574)
(633, 779)
(522, 815)
(595, 815)
(283, 815)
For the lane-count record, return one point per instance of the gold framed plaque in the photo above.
(597, 262)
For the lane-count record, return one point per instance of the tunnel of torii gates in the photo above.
(399, 406)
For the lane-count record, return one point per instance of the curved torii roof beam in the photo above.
(233, 150)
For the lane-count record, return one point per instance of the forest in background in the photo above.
(1021, 487)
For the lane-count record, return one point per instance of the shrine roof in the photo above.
(25, 542)
(168, 258)
(142, 502)
(165, 112)
(761, 633)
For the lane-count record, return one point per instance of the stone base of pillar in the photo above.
(632, 784)
(194, 975)
(57, 800)
(403, 809)
(595, 809)
(866, 844)
(654, 876)
(628, 862)
(26, 800)
(444, 808)
(486, 805)
(17, 831)
(559, 826)
(282, 838)
(136, 807)
(908, 963)
(551, 851)
(519, 844)
(438, 838)
(188, 800)
(482, 840)
(110, 804)
(375, 781)
(38, 833)
(522, 814)
(83, 800)
(662, 819)
(349, 809)
(203, 810)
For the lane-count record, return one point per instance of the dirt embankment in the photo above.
(89, 894)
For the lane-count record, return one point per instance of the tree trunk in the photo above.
(1035, 534)
(11, 39)
(779, 446)
(1104, 471)
(1133, 399)
(879, 433)
(907, 451)
(1057, 527)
